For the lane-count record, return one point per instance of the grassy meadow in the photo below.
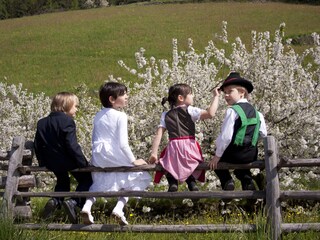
(55, 52)
(59, 51)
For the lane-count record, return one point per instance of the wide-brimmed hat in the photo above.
(235, 79)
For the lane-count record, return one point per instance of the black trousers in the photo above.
(237, 155)
(84, 180)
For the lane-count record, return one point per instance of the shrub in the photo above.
(286, 89)
(287, 92)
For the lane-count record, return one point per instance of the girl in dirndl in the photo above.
(183, 154)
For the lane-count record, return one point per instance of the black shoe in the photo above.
(229, 185)
(193, 186)
(173, 183)
(247, 184)
(173, 187)
(69, 206)
(49, 208)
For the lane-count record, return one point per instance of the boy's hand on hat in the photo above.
(213, 163)
(140, 162)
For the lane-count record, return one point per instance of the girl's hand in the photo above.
(139, 162)
(214, 163)
(153, 159)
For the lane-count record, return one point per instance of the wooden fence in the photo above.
(17, 163)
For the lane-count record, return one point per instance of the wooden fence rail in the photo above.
(17, 163)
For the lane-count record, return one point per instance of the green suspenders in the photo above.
(244, 123)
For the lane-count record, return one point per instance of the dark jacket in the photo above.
(56, 145)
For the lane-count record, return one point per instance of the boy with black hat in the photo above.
(242, 125)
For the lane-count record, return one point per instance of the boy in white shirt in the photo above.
(241, 128)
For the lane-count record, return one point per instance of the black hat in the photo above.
(235, 79)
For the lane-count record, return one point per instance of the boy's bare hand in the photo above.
(213, 163)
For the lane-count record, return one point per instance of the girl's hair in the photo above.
(111, 89)
(63, 102)
(176, 90)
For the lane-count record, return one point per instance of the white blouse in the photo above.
(110, 146)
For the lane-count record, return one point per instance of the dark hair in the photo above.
(111, 89)
(176, 90)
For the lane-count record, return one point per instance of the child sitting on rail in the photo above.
(241, 128)
(183, 154)
(110, 148)
(56, 148)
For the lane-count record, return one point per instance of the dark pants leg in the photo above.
(224, 176)
(245, 176)
(190, 179)
(241, 174)
(84, 180)
(63, 184)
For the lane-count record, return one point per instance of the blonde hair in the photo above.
(63, 102)
(243, 89)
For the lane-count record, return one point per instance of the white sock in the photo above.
(87, 206)
(120, 204)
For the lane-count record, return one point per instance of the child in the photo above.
(183, 154)
(110, 148)
(56, 148)
(242, 125)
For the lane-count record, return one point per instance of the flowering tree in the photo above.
(286, 92)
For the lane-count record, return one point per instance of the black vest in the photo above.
(179, 123)
(245, 153)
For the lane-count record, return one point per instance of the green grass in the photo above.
(203, 212)
(55, 52)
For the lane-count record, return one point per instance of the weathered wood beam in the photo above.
(313, 162)
(305, 195)
(5, 155)
(12, 176)
(149, 167)
(273, 204)
(300, 227)
(144, 228)
(24, 181)
(186, 194)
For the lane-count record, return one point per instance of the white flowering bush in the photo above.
(20, 111)
(286, 91)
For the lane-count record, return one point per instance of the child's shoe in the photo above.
(49, 208)
(173, 183)
(120, 218)
(229, 185)
(87, 217)
(173, 187)
(193, 186)
(191, 182)
(247, 184)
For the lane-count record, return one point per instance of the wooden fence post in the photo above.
(273, 206)
(16, 155)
